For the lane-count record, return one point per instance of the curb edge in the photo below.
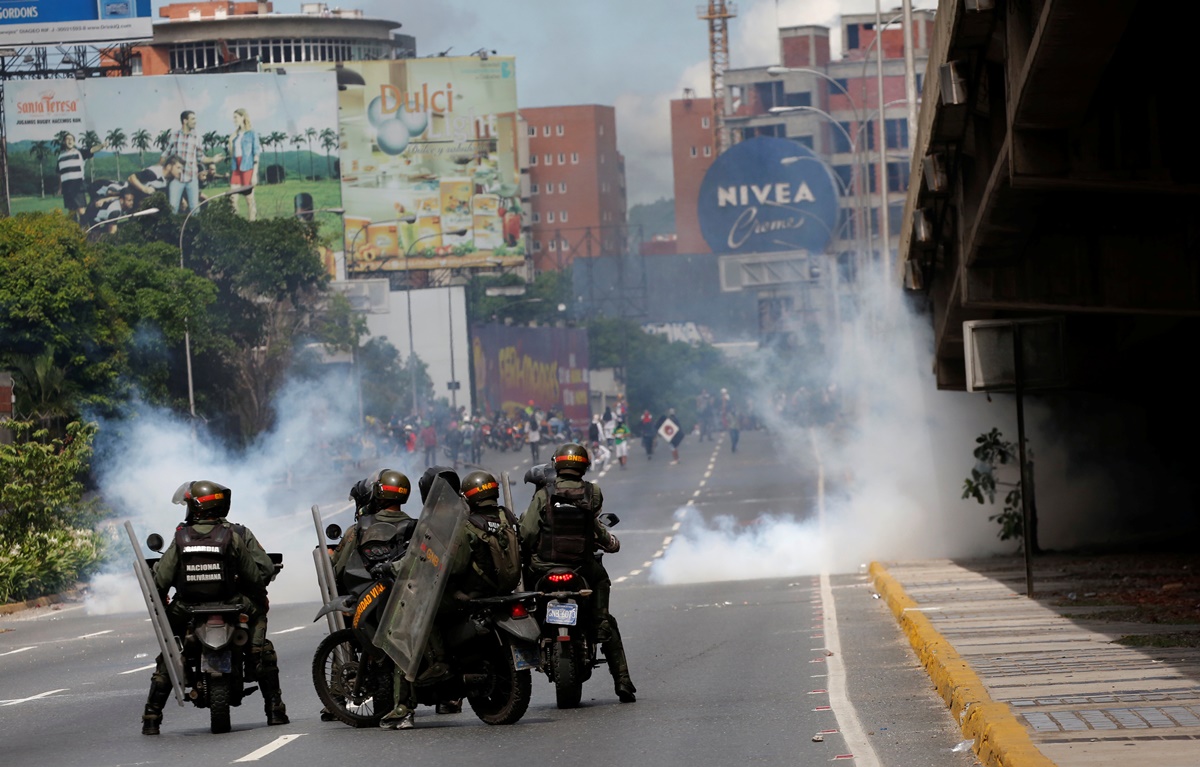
(999, 739)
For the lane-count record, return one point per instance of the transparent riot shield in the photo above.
(421, 578)
(325, 578)
(172, 658)
(504, 483)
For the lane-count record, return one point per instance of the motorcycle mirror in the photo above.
(154, 542)
(333, 532)
(609, 519)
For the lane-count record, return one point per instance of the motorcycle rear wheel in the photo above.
(568, 676)
(337, 666)
(506, 698)
(218, 704)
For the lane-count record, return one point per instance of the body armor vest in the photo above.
(399, 543)
(206, 571)
(570, 533)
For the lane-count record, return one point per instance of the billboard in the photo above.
(548, 366)
(430, 176)
(90, 145)
(768, 194)
(46, 22)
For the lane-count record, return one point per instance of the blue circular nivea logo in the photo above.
(768, 194)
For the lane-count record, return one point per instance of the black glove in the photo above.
(381, 571)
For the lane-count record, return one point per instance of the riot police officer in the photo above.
(204, 540)
(561, 528)
(382, 502)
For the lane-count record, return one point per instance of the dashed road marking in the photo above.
(288, 631)
(634, 572)
(32, 697)
(95, 634)
(274, 745)
(139, 668)
(622, 579)
(647, 564)
(14, 652)
(658, 554)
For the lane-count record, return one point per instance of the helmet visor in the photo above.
(180, 496)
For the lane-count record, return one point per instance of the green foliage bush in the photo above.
(46, 562)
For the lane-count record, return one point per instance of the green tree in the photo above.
(298, 141)
(539, 303)
(60, 141)
(163, 139)
(88, 140)
(992, 452)
(116, 141)
(140, 140)
(41, 151)
(309, 135)
(329, 142)
(276, 139)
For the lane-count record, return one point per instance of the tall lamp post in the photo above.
(187, 335)
(412, 353)
(126, 217)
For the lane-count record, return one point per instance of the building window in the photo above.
(563, 246)
(804, 141)
(769, 94)
(549, 217)
(841, 142)
(549, 187)
(545, 130)
(852, 36)
(533, 188)
(845, 175)
(694, 152)
(897, 176)
(533, 160)
(537, 217)
(562, 158)
(845, 225)
(574, 158)
(554, 245)
(558, 130)
(708, 151)
(896, 132)
(562, 187)
(533, 131)
(842, 85)
(549, 159)
(704, 122)
(920, 82)
(798, 99)
(537, 246)
(563, 216)
(601, 129)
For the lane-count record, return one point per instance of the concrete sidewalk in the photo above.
(1033, 688)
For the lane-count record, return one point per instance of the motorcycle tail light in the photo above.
(560, 577)
(216, 620)
(519, 611)
(243, 618)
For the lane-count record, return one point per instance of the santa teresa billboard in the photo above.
(765, 195)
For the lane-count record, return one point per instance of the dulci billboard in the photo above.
(765, 195)
(42, 22)
(518, 366)
(100, 146)
(429, 164)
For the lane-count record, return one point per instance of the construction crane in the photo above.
(718, 13)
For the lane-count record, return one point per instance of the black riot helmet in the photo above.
(204, 499)
(480, 487)
(571, 460)
(432, 473)
(390, 487)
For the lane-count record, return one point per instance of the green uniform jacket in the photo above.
(255, 569)
(346, 547)
(469, 573)
(533, 521)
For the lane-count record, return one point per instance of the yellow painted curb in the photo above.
(1000, 740)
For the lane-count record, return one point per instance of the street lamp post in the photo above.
(113, 221)
(412, 354)
(187, 335)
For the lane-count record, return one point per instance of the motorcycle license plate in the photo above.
(562, 613)
(221, 661)
(524, 657)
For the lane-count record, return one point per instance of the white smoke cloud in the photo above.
(304, 460)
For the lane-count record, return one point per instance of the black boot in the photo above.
(268, 684)
(152, 715)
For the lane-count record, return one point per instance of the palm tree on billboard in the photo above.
(329, 142)
(116, 140)
(41, 151)
(162, 140)
(60, 141)
(309, 135)
(298, 141)
(140, 140)
(90, 139)
(277, 138)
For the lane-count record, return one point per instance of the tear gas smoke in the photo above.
(305, 459)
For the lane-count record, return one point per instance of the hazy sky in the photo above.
(635, 55)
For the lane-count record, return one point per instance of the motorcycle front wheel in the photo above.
(218, 703)
(568, 676)
(505, 697)
(354, 687)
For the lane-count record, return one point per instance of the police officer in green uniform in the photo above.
(487, 561)
(387, 494)
(206, 543)
(561, 528)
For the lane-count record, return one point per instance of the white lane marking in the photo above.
(32, 697)
(839, 699)
(14, 652)
(708, 473)
(288, 631)
(274, 745)
(139, 668)
(96, 634)
(667, 541)
(634, 572)
(696, 493)
(675, 527)
(621, 579)
(647, 563)
(658, 554)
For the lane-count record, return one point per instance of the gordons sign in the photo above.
(765, 195)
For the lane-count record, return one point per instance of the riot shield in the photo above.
(504, 483)
(325, 578)
(421, 578)
(172, 658)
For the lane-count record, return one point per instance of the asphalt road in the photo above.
(728, 671)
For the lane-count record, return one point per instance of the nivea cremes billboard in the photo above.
(768, 194)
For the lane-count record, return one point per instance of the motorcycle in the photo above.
(490, 650)
(213, 652)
